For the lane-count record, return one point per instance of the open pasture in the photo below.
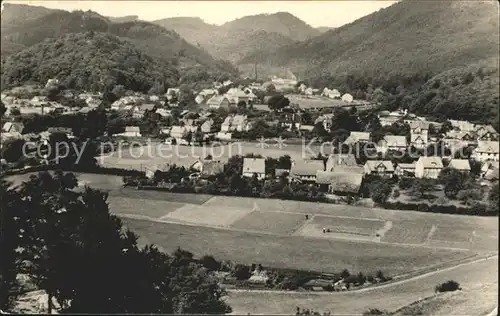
(212, 216)
(272, 222)
(143, 207)
(296, 252)
(407, 233)
(341, 227)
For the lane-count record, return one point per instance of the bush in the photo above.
(375, 311)
(242, 272)
(396, 194)
(406, 183)
(210, 263)
(448, 286)
(345, 274)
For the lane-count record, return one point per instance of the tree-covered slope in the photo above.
(407, 37)
(151, 39)
(87, 61)
(235, 39)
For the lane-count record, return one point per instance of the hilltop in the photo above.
(235, 39)
(87, 61)
(149, 38)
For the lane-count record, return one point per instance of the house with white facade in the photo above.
(357, 137)
(392, 142)
(486, 151)
(305, 170)
(218, 101)
(419, 132)
(382, 168)
(253, 166)
(131, 131)
(428, 167)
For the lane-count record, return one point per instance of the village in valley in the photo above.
(278, 114)
(259, 166)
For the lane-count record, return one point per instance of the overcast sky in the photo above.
(316, 13)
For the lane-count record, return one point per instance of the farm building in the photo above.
(253, 166)
(305, 170)
(345, 160)
(383, 168)
(428, 167)
(208, 168)
(341, 182)
(357, 137)
(460, 165)
(131, 131)
(392, 142)
(387, 118)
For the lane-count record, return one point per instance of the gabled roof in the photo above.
(458, 134)
(217, 100)
(254, 165)
(306, 167)
(340, 181)
(407, 165)
(431, 162)
(395, 141)
(490, 147)
(163, 112)
(376, 164)
(460, 164)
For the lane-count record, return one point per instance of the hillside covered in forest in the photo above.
(18, 34)
(91, 61)
(235, 39)
(437, 57)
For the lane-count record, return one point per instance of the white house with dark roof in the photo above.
(419, 131)
(382, 168)
(428, 167)
(460, 165)
(305, 170)
(392, 142)
(486, 151)
(253, 166)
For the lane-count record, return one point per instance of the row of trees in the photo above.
(73, 248)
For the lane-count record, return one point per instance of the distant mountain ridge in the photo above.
(150, 38)
(235, 39)
(406, 37)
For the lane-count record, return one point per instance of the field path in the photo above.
(373, 288)
(391, 297)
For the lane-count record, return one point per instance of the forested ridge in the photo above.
(87, 61)
(153, 40)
